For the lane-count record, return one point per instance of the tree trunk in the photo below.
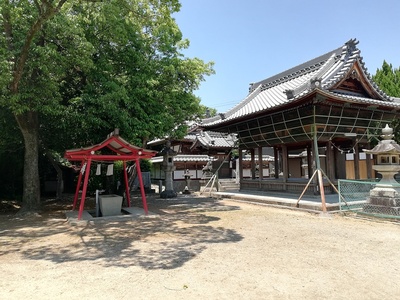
(28, 124)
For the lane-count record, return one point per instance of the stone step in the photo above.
(228, 185)
(224, 185)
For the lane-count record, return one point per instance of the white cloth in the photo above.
(83, 168)
(110, 170)
(98, 171)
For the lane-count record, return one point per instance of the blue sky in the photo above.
(251, 40)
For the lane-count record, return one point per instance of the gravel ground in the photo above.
(199, 248)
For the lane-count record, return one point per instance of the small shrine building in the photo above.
(113, 148)
(327, 108)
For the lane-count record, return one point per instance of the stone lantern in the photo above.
(385, 197)
(168, 166)
(187, 176)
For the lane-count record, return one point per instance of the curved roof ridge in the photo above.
(296, 71)
(348, 56)
(373, 83)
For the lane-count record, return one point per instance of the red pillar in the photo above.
(85, 184)
(139, 173)
(127, 193)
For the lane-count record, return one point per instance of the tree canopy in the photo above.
(72, 71)
(388, 79)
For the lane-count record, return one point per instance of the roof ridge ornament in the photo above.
(349, 48)
(315, 83)
(352, 44)
(354, 75)
(289, 94)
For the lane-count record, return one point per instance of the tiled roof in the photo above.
(322, 72)
(184, 157)
(207, 139)
(210, 139)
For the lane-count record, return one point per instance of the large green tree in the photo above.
(388, 79)
(73, 71)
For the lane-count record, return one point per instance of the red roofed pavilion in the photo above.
(114, 148)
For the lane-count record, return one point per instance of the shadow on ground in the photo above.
(182, 230)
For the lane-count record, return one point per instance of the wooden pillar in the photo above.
(260, 168)
(139, 174)
(276, 162)
(369, 163)
(330, 172)
(314, 167)
(318, 170)
(356, 162)
(309, 161)
(285, 163)
(253, 164)
(85, 184)
(240, 165)
(260, 164)
(127, 190)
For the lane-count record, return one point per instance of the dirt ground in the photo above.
(199, 248)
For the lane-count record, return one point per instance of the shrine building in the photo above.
(317, 115)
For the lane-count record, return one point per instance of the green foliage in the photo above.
(88, 67)
(134, 77)
(388, 79)
(145, 165)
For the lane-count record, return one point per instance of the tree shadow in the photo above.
(181, 231)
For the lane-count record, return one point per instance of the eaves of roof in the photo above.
(265, 157)
(120, 148)
(185, 158)
(361, 100)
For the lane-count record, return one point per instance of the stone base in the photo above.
(168, 194)
(381, 209)
(383, 200)
(385, 192)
